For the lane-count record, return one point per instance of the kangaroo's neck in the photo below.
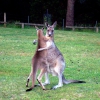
(50, 38)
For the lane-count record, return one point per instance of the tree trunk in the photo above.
(70, 13)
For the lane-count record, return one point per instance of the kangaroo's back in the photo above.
(41, 39)
(38, 60)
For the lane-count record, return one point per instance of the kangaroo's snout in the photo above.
(50, 35)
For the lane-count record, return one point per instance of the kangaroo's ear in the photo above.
(36, 27)
(54, 24)
(46, 24)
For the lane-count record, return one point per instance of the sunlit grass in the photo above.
(81, 51)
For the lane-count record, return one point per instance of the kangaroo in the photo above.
(54, 59)
(39, 60)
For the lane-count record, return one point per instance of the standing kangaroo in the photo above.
(54, 60)
(39, 60)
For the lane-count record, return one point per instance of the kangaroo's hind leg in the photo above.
(28, 79)
(59, 68)
(47, 81)
(42, 72)
(60, 83)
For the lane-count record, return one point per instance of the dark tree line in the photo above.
(85, 11)
(15, 9)
(57, 9)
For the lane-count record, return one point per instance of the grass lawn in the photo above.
(81, 51)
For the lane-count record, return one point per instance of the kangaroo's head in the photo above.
(39, 31)
(41, 37)
(50, 29)
(39, 34)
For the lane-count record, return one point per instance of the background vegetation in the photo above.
(81, 51)
(86, 11)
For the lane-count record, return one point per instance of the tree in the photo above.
(70, 13)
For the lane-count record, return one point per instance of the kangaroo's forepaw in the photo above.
(34, 42)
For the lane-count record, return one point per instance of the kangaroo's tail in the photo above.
(71, 81)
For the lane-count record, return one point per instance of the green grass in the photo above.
(81, 51)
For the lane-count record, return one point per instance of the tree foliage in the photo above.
(57, 9)
(85, 11)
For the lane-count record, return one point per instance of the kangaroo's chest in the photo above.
(52, 54)
(50, 44)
